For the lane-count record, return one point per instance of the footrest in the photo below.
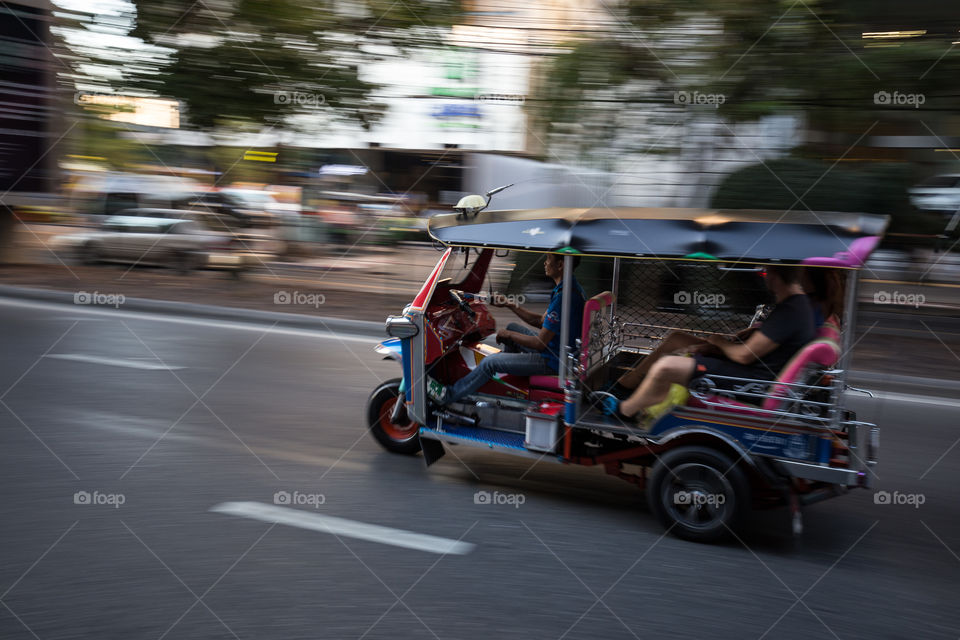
(491, 438)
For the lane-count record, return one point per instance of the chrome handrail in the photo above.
(789, 393)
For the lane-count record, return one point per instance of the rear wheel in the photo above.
(699, 492)
(396, 438)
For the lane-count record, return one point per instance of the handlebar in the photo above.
(458, 297)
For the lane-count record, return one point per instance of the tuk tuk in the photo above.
(713, 451)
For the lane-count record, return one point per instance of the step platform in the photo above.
(480, 437)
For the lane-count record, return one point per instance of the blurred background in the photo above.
(285, 156)
(300, 128)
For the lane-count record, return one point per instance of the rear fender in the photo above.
(706, 434)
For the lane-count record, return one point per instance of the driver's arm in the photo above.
(538, 342)
(531, 318)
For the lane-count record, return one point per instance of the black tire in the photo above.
(186, 262)
(88, 254)
(685, 488)
(403, 439)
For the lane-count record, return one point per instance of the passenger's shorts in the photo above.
(722, 367)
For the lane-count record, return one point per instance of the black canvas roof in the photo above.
(827, 238)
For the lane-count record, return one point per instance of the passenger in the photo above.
(825, 289)
(762, 355)
(823, 286)
(526, 352)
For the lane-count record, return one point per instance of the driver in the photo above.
(527, 352)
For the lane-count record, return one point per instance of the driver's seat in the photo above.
(591, 355)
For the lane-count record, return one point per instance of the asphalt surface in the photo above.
(173, 417)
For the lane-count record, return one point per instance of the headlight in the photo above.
(401, 327)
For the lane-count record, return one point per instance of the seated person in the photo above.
(825, 289)
(762, 355)
(527, 353)
(823, 286)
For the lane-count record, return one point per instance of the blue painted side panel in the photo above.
(825, 449)
(405, 356)
(759, 440)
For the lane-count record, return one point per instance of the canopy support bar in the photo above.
(615, 287)
(564, 317)
(848, 330)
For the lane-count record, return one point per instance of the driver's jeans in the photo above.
(526, 363)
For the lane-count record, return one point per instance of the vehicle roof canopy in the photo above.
(829, 239)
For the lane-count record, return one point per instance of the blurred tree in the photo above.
(784, 57)
(264, 61)
(879, 188)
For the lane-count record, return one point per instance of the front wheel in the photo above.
(396, 438)
(699, 493)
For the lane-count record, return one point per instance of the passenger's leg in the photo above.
(667, 371)
(675, 341)
(521, 364)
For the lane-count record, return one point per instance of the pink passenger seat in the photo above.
(592, 308)
(824, 351)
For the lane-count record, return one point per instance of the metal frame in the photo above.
(702, 397)
(565, 302)
(615, 287)
(846, 346)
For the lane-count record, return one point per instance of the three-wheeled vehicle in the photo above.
(725, 445)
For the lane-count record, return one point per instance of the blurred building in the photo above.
(29, 128)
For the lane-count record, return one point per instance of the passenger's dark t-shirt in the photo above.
(791, 326)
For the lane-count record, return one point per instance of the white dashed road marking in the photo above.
(343, 527)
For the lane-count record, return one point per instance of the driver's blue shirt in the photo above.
(551, 321)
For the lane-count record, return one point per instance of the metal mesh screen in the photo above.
(655, 298)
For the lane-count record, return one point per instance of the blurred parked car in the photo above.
(183, 244)
(939, 193)
(255, 241)
(235, 208)
(109, 193)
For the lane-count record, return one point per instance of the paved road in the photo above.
(173, 418)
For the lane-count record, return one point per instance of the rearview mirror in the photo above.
(471, 205)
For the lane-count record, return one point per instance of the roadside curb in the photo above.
(211, 312)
